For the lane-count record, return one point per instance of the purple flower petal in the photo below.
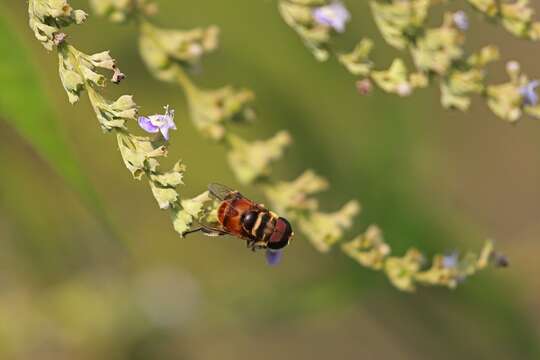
(461, 20)
(159, 123)
(450, 261)
(165, 132)
(528, 92)
(273, 257)
(334, 15)
(169, 119)
(146, 124)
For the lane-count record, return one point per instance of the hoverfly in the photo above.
(250, 221)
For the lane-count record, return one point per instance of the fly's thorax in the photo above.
(258, 223)
(249, 220)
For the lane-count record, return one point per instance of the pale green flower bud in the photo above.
(534, 32)
(450, 273)
(438, 48)
(485, 56)
(165, 196)
(299, 15)
(402, 270)
(115, 10)
(139, 153)
(79, 16)
(458, 86)
(294, 198)
(505, 101)
(192, 209)
(399, 20)
(113, 116)
(72, 80)
(163, 50)
(77, 70)
(251, 161)
(212, 110)
(171, 179)
(516, 17)
(369, 249)
(394, 80)
(357, 61)
(488, 7)
(47, 17)
(325, 229)
(460, 83)
(102, 60)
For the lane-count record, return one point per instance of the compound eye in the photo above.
(281, 235)
(249, 220)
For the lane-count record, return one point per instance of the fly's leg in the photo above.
(256, 245)
(208, 231)
(250, 243)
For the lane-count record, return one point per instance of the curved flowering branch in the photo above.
(438, 53)
(516, 16)
(80, 72)
(168, 55)
(371, 251)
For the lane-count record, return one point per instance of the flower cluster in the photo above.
(437, 52)
(212, 112)
(169, 54)
(166, 51)
(510, 99)
(371, 251)
(517, 16)
(315, 21)
(47, 18)
(120, 11)
(80, 72)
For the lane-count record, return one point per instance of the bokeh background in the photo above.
(91, 269)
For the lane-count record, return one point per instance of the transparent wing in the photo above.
(220, 192)
(273, 257)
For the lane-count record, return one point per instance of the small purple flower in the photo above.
(461, 20)
(528, 92)
(450, 261)
(334, 15)
(159, 123)
(273, 257)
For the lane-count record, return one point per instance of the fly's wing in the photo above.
(273, 257)
(221, 192)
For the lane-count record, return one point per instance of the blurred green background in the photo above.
(91, 269)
